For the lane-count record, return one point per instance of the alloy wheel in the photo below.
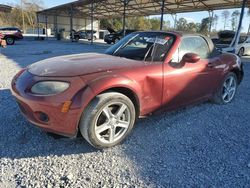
(229, 89)
(9, 40)
(241, 52)
(112, 122)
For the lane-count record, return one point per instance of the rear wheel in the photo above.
(10, 40)
(76, 38)
(241, 52)
(107, 120)
(228, 89)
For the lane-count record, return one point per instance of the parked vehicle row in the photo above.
(225, 39)
(11, 34)
(83, 34)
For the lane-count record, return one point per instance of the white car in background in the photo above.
(243, 47)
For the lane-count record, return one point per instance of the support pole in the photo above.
(46, 26)
(71, 23)
(174, 17)
(92, 21)
(162, 13)
(125, 3)
(55, 25)
(237, 34)
(211, 17)
(38, 26)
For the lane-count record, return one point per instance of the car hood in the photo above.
(111, 30)
(80, 64)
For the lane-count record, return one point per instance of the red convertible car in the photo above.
(102, 95)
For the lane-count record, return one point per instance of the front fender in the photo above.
(99, 85)
(107, 82)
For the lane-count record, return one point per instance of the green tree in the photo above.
(204, 29)
(138, 23)
(155, 23)
(181, 24)
(225, 15)
(115, 24)
(235, 19)
(215, 21)
(28, 10)
(191, 27)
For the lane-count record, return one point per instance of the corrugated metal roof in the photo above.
(114, 8)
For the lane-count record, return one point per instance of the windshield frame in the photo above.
(124, 41)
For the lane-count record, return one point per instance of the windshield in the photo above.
(144, 46)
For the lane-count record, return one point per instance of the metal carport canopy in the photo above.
(115, 8)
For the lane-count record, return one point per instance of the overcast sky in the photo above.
(191, 17)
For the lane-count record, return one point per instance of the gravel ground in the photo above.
(200, 146)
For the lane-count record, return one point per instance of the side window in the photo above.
(194, 45)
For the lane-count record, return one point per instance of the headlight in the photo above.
(49, 87)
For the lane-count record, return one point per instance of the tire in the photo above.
(227, 91)
(108, 42)
(100, 114)
(76, 39)
(10, 40)
(241, 52)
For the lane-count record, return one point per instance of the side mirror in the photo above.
(190, 58)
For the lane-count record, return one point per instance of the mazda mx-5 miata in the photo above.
(101, 95)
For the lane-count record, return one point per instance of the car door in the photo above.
(191, 82)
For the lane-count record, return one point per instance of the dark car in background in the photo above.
(114, 36)
(11, 34)
(84, 34)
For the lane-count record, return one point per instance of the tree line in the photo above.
(22, 15)
(207, 25)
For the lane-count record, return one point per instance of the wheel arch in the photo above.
(128, 93)
(87, 95)
(238, 73)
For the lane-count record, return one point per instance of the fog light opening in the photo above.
(43, 117)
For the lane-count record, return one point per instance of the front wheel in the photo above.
(241, 52)
(107, 120)
(10, 40)
(228, 89)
